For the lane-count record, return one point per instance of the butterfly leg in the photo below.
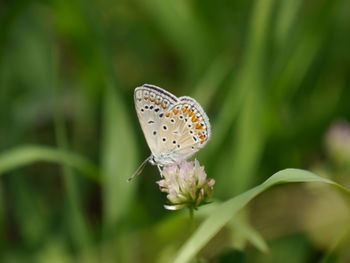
(160, 169)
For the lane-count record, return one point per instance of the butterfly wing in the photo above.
(174, 128)
(184, 130)
(151, 103)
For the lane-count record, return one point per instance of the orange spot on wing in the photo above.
(199, 127)
(195, 119)
(152, 99)
(175, 111)
(167, 114)
(184, 109)
(200, 134)
(191, 113)
(164, 106)
(157, 102)
(146, 98)
(202, 137)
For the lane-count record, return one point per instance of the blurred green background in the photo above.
(273, 77)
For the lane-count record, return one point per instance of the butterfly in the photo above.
(174, 128)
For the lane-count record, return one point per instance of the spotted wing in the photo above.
(184, 129)
(151, 103)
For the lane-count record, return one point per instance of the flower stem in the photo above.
(191, 213)
(192, 222)
(192, 227)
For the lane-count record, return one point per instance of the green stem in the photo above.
(192, 226)
(191, 210)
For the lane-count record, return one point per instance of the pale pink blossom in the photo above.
(186, 185)
(337, 141)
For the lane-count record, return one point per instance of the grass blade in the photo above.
(77, 225)
(208, 85)
(247, 233)
(25, 155)
(226, 211)
(118, 158)
(245, 100)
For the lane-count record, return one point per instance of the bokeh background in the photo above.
(273, 77)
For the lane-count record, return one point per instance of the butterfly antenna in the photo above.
(139, 170)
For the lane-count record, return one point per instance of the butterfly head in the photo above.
(152, 160)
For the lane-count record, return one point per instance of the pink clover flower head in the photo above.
(186, 185)
(337, 141)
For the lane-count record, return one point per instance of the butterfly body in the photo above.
(174, 127)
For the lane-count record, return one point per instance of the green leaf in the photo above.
(245, 102)
(118, 158)
(25, 155)
(244, 232)
(211, 80)
(227, 210)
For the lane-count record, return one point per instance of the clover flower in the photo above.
(337, 141)
(186, 185)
